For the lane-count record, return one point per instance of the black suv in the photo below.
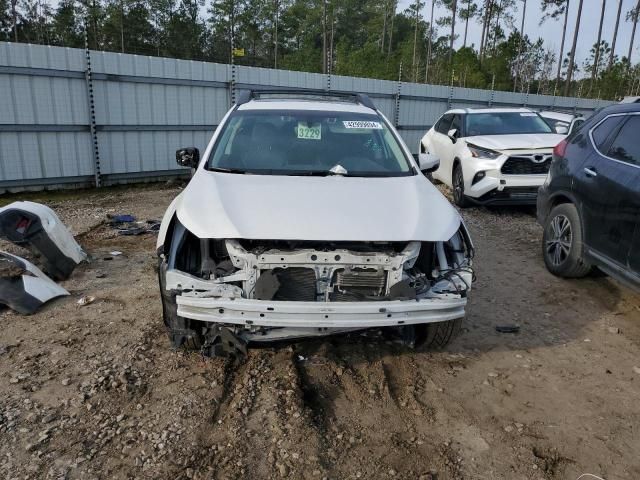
(589, 205)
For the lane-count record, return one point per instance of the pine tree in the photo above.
(572, 54)
(67, 26)
(468, 11)
(5, 20)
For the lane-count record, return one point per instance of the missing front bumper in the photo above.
(257, 313)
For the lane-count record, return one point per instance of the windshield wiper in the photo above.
(227, 170)
(325, 173)
(337, 170)
(306, 173)
(379, 174)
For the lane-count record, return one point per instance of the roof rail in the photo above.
(248, 95)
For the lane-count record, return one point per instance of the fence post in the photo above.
(450, 97)
(526, 97)
(396, 113)
(92, 112)
(492, 93)
(330, 55)
(575, 104)
(232, 84)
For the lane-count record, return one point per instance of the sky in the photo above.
(551, 30)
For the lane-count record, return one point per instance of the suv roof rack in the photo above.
(328, 95)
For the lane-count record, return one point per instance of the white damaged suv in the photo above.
(308, 216)
(492, 155)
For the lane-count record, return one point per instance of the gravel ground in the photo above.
(95, 391)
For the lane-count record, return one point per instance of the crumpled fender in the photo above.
(34, 225)
(25, 288)
(166, 221)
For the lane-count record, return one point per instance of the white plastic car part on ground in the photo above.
(24, 288)
(34, 225)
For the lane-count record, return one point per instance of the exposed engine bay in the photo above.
(264, 290)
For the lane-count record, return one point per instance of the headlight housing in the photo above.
(479, 152)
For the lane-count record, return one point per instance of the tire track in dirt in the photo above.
(262, 426)
(374, 398)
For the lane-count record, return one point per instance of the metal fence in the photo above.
(74, 117)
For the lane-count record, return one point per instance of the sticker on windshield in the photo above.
(309, 131)
(528, 114)
(362, 124)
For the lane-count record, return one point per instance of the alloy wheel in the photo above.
(559, 237)
(458, 184)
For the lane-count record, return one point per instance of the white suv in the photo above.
(562, 123)
(491, 155)
(308, 216)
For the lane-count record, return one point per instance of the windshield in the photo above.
(505, 123)
(278, 142)
(554, 122)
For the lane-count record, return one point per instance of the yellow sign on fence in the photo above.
(238, 52)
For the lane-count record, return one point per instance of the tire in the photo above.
(562, 243)
(182, 332)
(457, 185)
(437, 335)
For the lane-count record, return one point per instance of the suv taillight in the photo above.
(559, 149)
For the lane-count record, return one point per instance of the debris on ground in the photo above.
(86, 300)
(138, 228)
(120, 218)
(507, 328)
(128, 225)
(23, 286)
(37, 227)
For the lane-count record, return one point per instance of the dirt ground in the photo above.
(95, 391)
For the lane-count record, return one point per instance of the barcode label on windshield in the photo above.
(362, 124)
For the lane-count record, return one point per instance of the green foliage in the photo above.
(5, 20)
(368, 38)
(67, 25)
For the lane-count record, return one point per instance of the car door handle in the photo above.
(590, 172)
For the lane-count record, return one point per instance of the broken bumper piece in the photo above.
(23, 286)
(318, 315)
(34, 225)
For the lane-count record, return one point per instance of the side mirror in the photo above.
(188, 157)
(561, 130)
(453, 134)
(428, 162)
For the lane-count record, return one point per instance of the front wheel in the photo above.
(459, 197)
(437, 335)
(182, 332)
(562, 243)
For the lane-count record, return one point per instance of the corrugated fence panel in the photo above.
(422, 106)
(147, 107)
(44, 117)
